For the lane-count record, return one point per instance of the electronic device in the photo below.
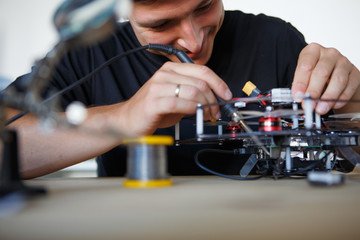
(287, 141)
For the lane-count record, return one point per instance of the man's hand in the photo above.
(326, 74)
(160, 104)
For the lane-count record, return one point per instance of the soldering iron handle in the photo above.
(183, 57)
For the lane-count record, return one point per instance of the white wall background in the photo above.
(27, 33)
(332, 23)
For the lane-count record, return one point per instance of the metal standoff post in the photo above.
(147, 162)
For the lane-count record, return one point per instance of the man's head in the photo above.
(189, 25)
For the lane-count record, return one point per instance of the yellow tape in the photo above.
(151, 140)
(147, 184)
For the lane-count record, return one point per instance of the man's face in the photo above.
(188, 25)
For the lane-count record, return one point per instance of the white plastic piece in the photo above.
(317, 121)
(199, 120)
(295, 119)
(76, 113)
(177, 131)
(325, 178)
(308, 109)
(281, 95)
(220, 130)
(288, 160)
(240, 104)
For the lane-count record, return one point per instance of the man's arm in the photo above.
(154, 106)
(43, 152)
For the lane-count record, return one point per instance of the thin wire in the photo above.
(197, 161)
(306, 169)
(80, 81)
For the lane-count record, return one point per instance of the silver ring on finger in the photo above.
(177, 91)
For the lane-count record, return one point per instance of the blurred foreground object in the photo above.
(147, 162)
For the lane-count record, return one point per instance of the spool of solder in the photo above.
(147, 162)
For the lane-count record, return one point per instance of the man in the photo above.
(145, 94)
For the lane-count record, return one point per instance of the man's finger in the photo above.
(338, 86)
(217, 85)
(307, 61)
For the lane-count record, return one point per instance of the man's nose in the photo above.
(191, 35)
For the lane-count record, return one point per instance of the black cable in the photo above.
(16, 117)
(98, 69)
(158, 47)
(197, 161)
(298, 174)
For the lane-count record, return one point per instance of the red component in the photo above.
(270, 124)
(233, 128)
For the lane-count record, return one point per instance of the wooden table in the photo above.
(207, 207)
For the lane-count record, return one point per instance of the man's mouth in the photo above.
(195, 55)
(192, 55)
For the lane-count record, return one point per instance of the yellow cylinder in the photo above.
(147, 162)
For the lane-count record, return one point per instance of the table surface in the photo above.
(207, 207)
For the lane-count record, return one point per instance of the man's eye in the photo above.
(205, 7)
(158, 27)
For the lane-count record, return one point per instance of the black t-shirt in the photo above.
(260, 49)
